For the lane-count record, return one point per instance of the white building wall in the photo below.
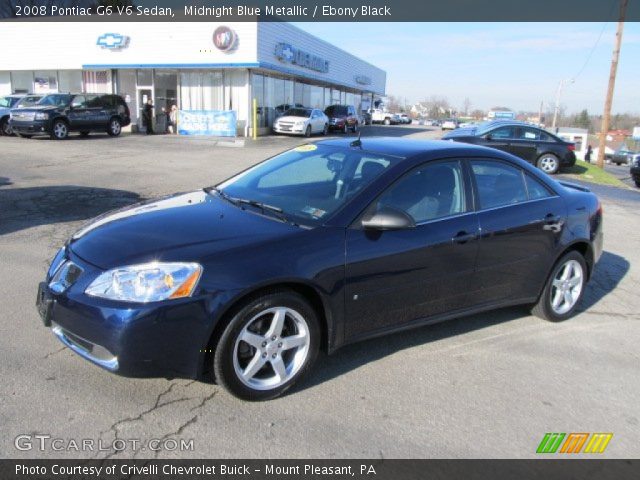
(343, 67)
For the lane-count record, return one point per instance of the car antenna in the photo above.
(357, 143)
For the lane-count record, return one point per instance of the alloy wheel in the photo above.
(60, 130)
(271, 348)
(566, 287)
(6, 128)
(548, 164)
(115, 127)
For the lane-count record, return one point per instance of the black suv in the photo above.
(342, 117)
(58, 114)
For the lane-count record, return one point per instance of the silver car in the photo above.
(11, 102)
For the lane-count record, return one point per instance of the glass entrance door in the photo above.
(144, 94)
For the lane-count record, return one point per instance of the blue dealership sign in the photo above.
(219, 123)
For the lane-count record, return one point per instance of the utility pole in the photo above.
(606, 115)
(540, 113)
(558, 93)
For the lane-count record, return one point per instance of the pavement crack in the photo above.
(177, 432)
(204, 401)
(50, 354)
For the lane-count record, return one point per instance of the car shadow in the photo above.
(611, 269)
(22, 208)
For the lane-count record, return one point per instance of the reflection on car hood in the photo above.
(183, 227)
(37, 108)
(289, 118)
(460, 132)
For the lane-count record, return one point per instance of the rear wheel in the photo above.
(115, 127)
(60, 130)
(270, 343)
(5, 128)
(549, 163)
(564, 288)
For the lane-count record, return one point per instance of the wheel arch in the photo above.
(305, 289)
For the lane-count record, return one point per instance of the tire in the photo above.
(115, 127)
(59, 130)
(574, 280)
(387, 121)
(355, 127)
(84, 133)
(5, 128)
(637, 182)
(345, 128)
(325, 130)
(548, 163)
(307, 132)
(257, 321)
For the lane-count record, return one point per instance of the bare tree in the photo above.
(466, 106)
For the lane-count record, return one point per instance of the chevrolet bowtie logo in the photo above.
(112, 41)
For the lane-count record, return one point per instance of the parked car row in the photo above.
(307, 121)
(538, 147)
(58, 114)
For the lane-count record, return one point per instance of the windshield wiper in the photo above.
(279, 213)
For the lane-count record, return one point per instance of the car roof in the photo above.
(410, 147)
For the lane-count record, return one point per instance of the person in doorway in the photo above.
(587, 156)
(147, 116)
(173, 119)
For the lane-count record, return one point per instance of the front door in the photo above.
(395, 277)
(500, 138)
(78, 113)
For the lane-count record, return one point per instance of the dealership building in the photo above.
(196, 66)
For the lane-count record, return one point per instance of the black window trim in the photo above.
(476, 195)
(469, 206)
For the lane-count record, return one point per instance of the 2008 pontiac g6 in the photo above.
(317, 247)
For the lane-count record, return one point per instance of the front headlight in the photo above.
(41, 116)
(56, 262)
(300, 123)
(149, 282)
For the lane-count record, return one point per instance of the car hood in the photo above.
(460, 132)
(182, 227)
(293, 119)
(37, 108)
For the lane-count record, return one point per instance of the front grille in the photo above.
(285, 126)
(23, 116)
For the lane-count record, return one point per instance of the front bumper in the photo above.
(294, 130)
(160, 339)
(34, 127)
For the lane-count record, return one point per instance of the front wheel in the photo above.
(270, 343)
(549, 163)
(115, 127)
(307, 132)
(5, 127)
(325, 129)
(355, 127)
(564, 288)
(60, 130)
(387, 121)
(637, 182)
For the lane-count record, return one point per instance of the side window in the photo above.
(535, 188)
(545, 137)
(498, 184)
(428, 193)
(79, 101)
(502, 132)
(526, 133)
(94, 101)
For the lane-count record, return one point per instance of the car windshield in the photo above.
(297, 112)
(335, 110)
(27, 101)
(307, 184)
(8, 102)
(56, 99)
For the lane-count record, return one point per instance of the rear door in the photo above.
(100, 108)
(521, 221)
(397, 276)
(525, 143)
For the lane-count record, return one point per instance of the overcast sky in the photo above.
(516, 65)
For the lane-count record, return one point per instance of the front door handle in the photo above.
(463, 237)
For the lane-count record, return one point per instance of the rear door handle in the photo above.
(463, 237)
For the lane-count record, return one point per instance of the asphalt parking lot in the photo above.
(486, 386)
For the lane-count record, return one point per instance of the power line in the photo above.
(595, 45)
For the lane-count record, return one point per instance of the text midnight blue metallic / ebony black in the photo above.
(317, 247)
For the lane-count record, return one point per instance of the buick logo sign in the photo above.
(224, 39)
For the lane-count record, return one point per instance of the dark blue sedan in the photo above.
(320, 246)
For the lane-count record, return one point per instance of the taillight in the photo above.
(571, 147)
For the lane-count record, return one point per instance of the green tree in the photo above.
(583, 120)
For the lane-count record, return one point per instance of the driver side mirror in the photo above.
(388, 219)
(488, 136)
